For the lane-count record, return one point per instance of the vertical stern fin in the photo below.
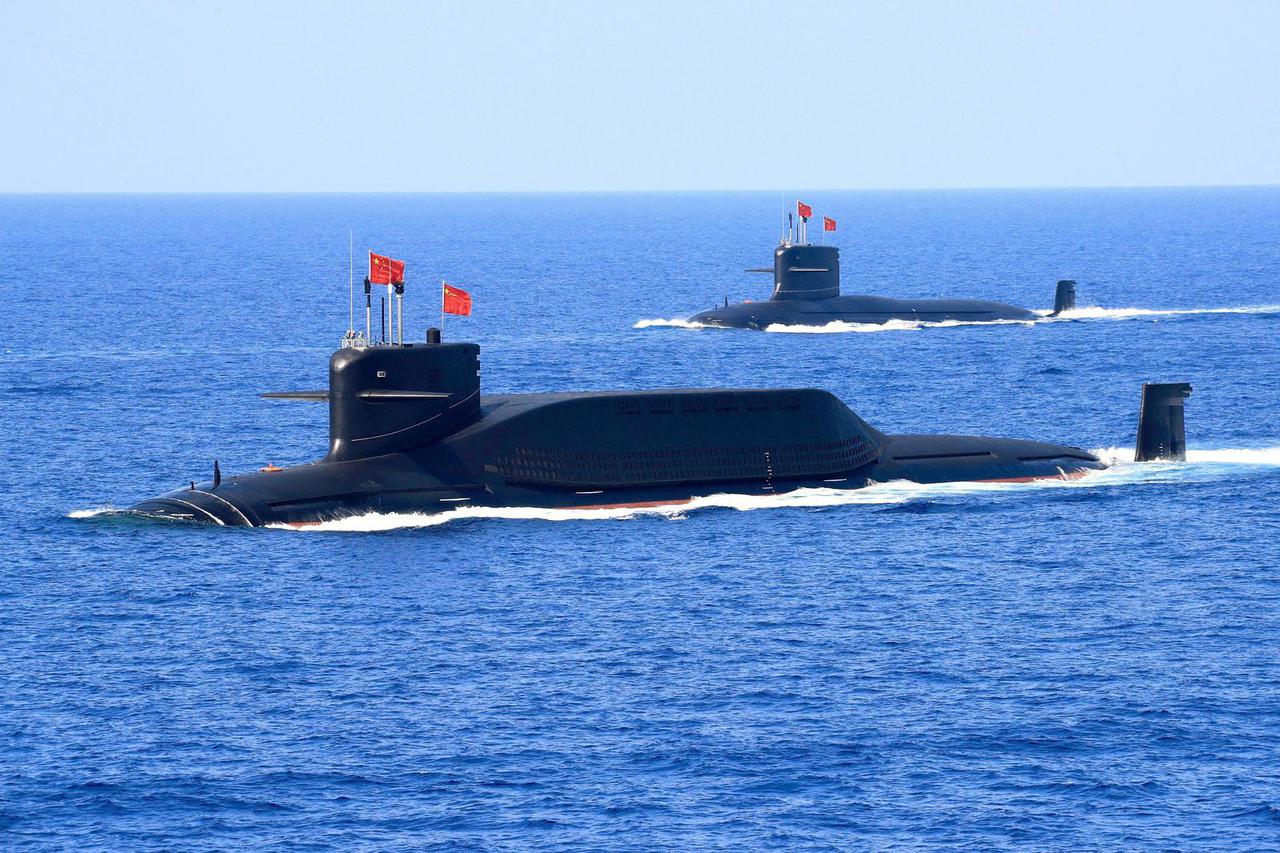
(1161, 430)
(1064, 299)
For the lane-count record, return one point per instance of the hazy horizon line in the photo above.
(789, 190)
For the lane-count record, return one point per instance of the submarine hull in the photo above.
(610, 450)
(875, 310)
(806, 292)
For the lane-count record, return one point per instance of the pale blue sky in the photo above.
(385, 96)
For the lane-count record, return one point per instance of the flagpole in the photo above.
(368, 307)
(442, 287)
(351, 284)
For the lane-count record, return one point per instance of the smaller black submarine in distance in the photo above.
(410, 432)
(806, 292)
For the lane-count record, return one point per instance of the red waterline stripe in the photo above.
(636, 505)
(1072, 475)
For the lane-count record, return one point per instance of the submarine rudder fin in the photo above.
(1064, 298)
(1161, 426)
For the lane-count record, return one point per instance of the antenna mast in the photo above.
(351, 284)
(368, 306)
(400, 312)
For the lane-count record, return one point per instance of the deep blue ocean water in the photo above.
(1091, 666)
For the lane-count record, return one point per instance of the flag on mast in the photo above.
(828, 224)
(456, 300)
(384, 270)
(804, 210)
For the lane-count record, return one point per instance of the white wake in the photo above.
(1261, 457)
(1200, 465)
(91, 513)
(1097, 313)
(672, 323)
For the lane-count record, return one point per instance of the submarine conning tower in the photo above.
(805, 271)
(385, 399)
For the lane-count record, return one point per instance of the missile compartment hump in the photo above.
(661, 437)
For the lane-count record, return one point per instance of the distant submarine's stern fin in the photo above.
(1161, 429)
(1064, 299)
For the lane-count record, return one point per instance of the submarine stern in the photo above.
(980, 459)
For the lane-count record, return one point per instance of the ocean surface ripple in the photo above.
(1082, 665)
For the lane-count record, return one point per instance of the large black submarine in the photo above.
(806, 292)
(410, 432)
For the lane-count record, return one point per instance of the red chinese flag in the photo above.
(456, 301)
(804, 210)
(384, 270)
(828, 224)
